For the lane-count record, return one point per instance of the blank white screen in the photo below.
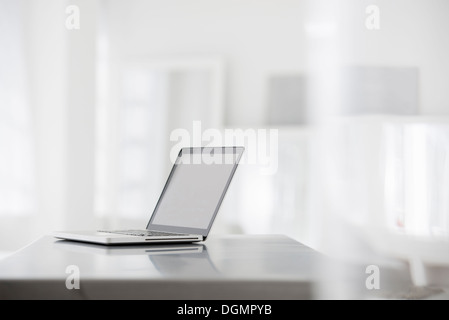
(192, 195)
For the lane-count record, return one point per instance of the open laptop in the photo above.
(188, 203)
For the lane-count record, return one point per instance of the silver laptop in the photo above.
(188, 203)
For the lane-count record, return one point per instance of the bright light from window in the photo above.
(17, 180)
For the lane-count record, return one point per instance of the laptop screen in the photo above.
(195, 189)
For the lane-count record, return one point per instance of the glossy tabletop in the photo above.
(228, 267)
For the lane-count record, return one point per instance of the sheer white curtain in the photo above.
(16, 160)
(17, 167)
(42, 124)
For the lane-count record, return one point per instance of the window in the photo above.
(134, 125)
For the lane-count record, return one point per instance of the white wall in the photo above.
(413, 33)
(261, 38)
(255, 38)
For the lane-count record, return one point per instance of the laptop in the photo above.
(188, 204)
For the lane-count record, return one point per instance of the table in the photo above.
(223, 267)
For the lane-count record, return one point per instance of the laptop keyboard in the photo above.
(143, 233)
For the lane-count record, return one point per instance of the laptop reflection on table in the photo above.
(168, 259)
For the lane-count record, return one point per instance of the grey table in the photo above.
(228, 267)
